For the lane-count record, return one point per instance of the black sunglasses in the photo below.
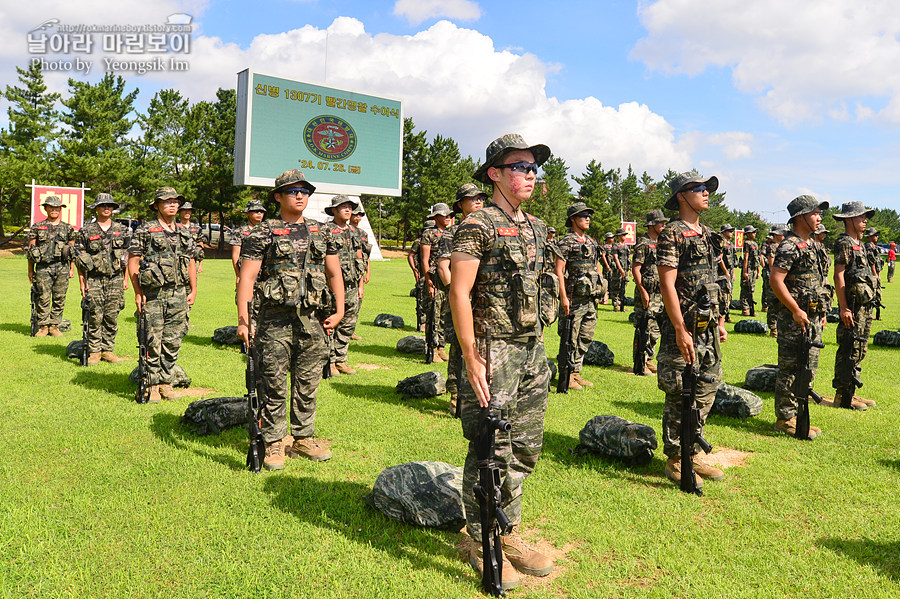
(520, 167)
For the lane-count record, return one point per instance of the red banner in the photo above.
(72, 199)
(739, 239)
(630, 232)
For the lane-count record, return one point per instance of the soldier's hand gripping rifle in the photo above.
(430, 323)
(564, 357)
(641, 352)
(143, 390)
(256, 451)
(802, 387)
(494, 521)
(85, 328)
(690, 413)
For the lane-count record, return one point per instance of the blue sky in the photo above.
(776, 99)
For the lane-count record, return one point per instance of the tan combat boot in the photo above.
(93, 358)
(509, 578)
(334, 370)
(650, 367)
(274, 459)
(708, 471)
(525, 559)
(309, 448)
(155, 397)
(440, 352)
(574, 385)
(108, 356)
(790, 427)
(42, 332)
(582, 381)
(344, 368)
(869, 403)
(355, 337)
(168, 392)
(454, 397)
(54, 331)
(673, 471)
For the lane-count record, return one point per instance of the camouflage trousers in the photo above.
(669, 372)
(726, 292)
(421, 299)
(583, 326)
(767, 296)
(748, 288)
(455, 366)
(288, 344)
(774, 309)
(891, 270)
(520, 389)
(52, 283)
(852, 346)
(440, 301)
(340, 336)
(107, 300)
(655, 309)
(617, 285)
(167, 324)
(789, 337)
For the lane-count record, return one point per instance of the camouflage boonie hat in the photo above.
(291, 178)
(804, 205)
(575, 209)
(53, 201)
(358, 211)
(655, 217)
(104, 199)
(851, 209)
(683, 180)
(871, 231)
(255, 206)
(726, 227)
(749, 229)
(770, 236)
(166, 193)
(468, 190)
(429, 223)
(610, 235)
(551, 231)
(337, 201)
(186, 206)
(621, 231)
(779, 229)
(821, 229)
(502, 146)
(440, 209)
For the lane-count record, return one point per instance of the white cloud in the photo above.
(802, 59)
(418, 11)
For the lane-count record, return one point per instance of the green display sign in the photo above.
(343, 141)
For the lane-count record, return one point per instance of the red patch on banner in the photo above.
(507, 231)
(690, 233)
(281, 231)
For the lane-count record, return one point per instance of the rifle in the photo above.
(641, 352)
(494, 521)
(256, 450)
(849, 389)
(802, 387)
(564, 357)
(326, 370)
(143, 391)
(690, 413)
(34, 301)
(85, 328)
(430, 341)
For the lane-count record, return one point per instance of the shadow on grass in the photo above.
(383, 351)
(55, 350)
(228, 449)
(651, 409)
(339, 506)
(884, 556)
(14, 327)
(200, 340)
(387, 394)
(895, 464)
(114, 383)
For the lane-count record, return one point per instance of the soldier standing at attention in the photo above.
(99, 255)
(618, 265)
(184, 219)
(605, 261)
(578, 271)
(364, 266)
(350, 257)
(726, 270)
(875, 261)
(498, 253)
(764, 256)
(687, 267)
(433, 291)
(749, 271)
(824, 265)
(50, 266)
(772, 304)
(646, 281)
(797, 284)
(290, 337)
(164, 276)
(415, 261)
(468, 199)
(255, 212)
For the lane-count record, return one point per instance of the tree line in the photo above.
(95, 135)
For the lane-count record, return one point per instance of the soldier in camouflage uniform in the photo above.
(727, 261)
(605, 260)
(580, 282)
(498, 255)
(99, 255)
(766, 251)
(854, 286)
(256, 212)
(773, 306)
(358, 214)
(687, 267)
(353, 272)
(296, 262)
(50, 266)
(647, 299)
(434, 294)
(875, 261)
(797, 284)
(749, 271)
(469, 198)
(184, 218)
(619, 265)
(164, 277)
(414, 257)
(824, 265)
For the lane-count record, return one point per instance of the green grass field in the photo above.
(100, 497)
